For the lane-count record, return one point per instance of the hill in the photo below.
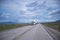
(10, 22)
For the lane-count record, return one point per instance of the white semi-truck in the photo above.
(34, 22)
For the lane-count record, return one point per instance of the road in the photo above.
(35, 32)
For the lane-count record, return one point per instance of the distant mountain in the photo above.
(58, 21)
(8, 22)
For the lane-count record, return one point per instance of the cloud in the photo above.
(50, 16)
(52, 3)
(53, 11)
(50, 20)
(36, 5)
(5, 15)
(24, 20)
(28, 10)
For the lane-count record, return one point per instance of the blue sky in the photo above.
(23, 11)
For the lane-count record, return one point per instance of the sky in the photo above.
(25, 11)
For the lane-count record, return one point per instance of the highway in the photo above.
(32, 32)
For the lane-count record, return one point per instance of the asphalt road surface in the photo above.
(35, 32)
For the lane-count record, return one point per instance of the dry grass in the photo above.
(11, 26)
(54, 25)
